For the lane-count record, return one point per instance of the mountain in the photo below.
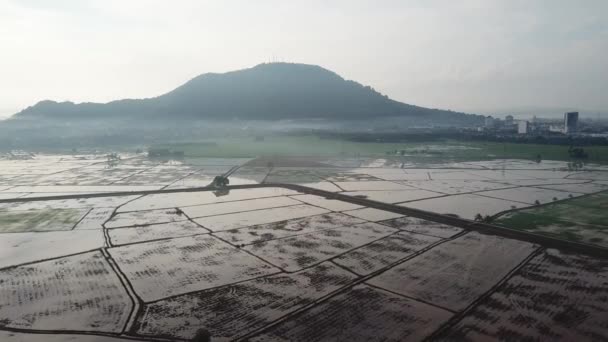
(265, 92)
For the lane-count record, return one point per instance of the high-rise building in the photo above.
(570, 122)
(509, 120)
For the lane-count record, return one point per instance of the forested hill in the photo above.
(266, 91)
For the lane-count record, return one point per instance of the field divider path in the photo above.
(137, 302)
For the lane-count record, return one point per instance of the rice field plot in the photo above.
(383, 252)
(81, 188)
(251, 218)
(11, 336)
(79, 292)
(145, 217)
(19, 248)
(99, 202)
(586, 188)
(373, 185)
(556, 296)
(580, 219)
(295, 253)
(15, 221)
(192, 181)
(347, 177)
(238, 206)
(363, 313)
(326, 186)
(528, 195)
(329, 204)
(372, 214)
(591, 175)
(420, 226)
(466, 206)
(453, 187)
(129, 235)
(147, 178)
(166, 268)
(277, 230)
(234, 310)
(455, 273)
(293, 176)
(183, 199)
(95, 218)
(394, 196)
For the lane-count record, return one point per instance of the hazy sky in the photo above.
(468, 55)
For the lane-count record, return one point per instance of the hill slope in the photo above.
(266, 91)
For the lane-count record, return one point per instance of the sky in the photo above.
(476, 56)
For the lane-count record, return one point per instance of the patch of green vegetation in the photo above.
(39, 220)
(581, 219)
(311, 145)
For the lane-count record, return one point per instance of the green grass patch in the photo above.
(580, 219)
(39, 220)
(310, 145)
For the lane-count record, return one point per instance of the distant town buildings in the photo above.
(571, 122)
(490, 122)
(523, 127)
(545, 129)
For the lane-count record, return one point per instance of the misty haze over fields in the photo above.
(93, 72)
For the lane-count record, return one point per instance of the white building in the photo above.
(523, 127)
(490, 122)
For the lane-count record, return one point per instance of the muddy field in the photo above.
(276, 264)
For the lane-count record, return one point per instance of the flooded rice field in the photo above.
(273, 263)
